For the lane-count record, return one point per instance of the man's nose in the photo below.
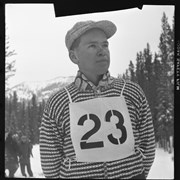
(101, 51)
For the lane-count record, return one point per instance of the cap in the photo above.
(81, 27)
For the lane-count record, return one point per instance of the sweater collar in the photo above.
(83, 84)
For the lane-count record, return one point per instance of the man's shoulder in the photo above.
(59, 95)
(127, 81)
(133, 84)
(129, 84)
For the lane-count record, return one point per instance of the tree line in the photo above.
(24, 117)
(153, 72)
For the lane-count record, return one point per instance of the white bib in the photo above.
(101, 129)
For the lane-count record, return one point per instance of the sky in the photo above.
(38, 38)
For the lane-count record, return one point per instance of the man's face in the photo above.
(24, 138)
(93, 52)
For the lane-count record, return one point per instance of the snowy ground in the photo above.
(162, 168)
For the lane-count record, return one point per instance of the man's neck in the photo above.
(93, 78)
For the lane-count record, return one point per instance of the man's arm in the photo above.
(146, 135)
(50, 147)
(30, 147)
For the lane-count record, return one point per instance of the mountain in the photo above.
(42, 89)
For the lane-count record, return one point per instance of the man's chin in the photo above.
(102, 71)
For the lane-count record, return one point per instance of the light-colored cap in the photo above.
(80, 28)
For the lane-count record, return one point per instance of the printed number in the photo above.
(119, 125)
(88, 145)
(84, 144)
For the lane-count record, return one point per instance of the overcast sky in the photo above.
(38, 37)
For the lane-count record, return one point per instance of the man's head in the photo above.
(24, 138)
(81, 27)
(88, 46)
(15, 137)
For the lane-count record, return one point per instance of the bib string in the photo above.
(123, 87)
(69, 160)
(141, 151)
(69, 96)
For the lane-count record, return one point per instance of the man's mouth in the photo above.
(102, 61)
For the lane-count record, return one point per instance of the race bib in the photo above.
(101, 129)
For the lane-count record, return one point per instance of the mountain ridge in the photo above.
(42, 89)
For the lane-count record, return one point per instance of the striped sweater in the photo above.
(56, 149)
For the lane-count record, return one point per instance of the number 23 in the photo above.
(89, 145)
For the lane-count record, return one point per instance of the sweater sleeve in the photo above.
(147, 138)
(50, 146)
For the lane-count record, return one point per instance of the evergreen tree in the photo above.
(22, 115)
(170, 74)
(8, 111)
(40, 113)
(9, 62)
(132, 72)
(140, 69)
(170, 43)
(127, 75)
(15, 102)
(12, 113)
(33, 125)
(148, 74)
(148, 63)
(165, 93)
(156, 81)
(26, 129)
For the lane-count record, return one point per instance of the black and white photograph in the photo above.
(89, 95)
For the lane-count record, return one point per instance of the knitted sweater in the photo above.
(56, 148)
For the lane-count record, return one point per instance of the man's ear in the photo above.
(73, 57)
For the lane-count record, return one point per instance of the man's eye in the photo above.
(92, 45)
(105, 45)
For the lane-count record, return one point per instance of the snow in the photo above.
(25, 89)
(162, 168)
(35, 164)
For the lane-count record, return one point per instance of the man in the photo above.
(26, 151)
(12, 153)
(98, 126)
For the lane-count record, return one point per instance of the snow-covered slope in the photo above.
(41, 89)
(162, 168)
